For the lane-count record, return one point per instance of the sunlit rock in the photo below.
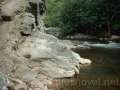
(85, 61)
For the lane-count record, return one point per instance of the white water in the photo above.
(111, 45)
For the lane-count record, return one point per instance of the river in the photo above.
(102, 74)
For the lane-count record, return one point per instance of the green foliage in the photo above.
(52, 12)
(88, 16)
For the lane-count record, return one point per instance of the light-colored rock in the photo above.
(7, 8)
(28, 23)
(85, 61)
(32, 61)
(82, 60)
(16, 84)
(37, 85)
(68, 44)
(55, 58)
(55, 31)
(3, 82)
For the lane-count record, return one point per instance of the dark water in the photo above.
(102, 74)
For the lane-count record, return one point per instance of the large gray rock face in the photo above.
(55, 58)
(32, 58)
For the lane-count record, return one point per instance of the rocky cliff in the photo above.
(29, 58)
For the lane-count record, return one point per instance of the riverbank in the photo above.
(37, 60)
(102, 74)
(30, 59)
(87, 37)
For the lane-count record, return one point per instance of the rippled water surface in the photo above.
(103, 74)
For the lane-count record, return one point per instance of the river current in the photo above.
(102, 74)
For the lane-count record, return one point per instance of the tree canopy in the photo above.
(97, 17)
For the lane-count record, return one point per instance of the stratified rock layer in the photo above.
(29, 57)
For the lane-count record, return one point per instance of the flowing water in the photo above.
(102, 74)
